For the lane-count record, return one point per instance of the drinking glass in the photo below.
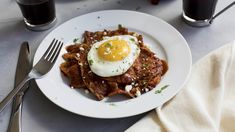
(38, 14)
(198, 12)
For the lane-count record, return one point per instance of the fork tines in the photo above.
(53, 50)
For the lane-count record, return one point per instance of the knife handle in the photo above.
(16, 114)
(15, 121)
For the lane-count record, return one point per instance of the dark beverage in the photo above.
(199, 9)
(37, 12)
(154, 2)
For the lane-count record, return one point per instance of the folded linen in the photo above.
(206, 103)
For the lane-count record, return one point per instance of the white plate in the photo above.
(161, 37)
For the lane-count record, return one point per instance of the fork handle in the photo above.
(13, 93)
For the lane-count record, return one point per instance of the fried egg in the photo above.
(113, 55)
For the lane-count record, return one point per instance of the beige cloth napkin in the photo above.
(205, 104)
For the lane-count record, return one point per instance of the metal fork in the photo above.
(42, 67)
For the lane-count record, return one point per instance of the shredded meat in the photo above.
(143, 75)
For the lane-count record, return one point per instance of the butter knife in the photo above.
(23, 67)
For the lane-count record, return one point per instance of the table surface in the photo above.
(39, 113)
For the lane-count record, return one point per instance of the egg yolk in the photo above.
(114, 50)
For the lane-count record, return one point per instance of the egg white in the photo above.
(106, 68)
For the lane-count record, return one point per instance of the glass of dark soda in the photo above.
(198, 12)
(38, 14)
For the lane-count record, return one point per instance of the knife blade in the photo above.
(22, 69)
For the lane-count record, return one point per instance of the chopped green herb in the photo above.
(112, 104)
(107, 51)
(132, 39)
(108, 45)
(90, 62)
(119, 26)
(161, 89)
(158, 91)
(144, 82)
(145, 65)
(117, 70)
(123, 70)
(75, 40)
(164, 87)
